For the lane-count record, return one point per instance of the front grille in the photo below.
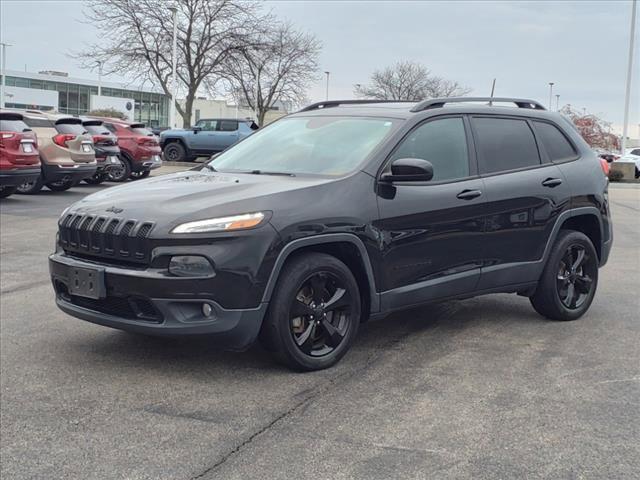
(112, 238)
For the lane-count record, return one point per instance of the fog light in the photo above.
(206, 309)
(190, 266)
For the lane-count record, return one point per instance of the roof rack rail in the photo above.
(335, 103)
(440, 102)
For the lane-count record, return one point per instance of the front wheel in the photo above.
(175, 152)
(314, 313)
(570, 278)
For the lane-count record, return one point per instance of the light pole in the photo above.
(557, 102)
(550, 94)
(627, 93)
(99, 62)
(327, 74)
(4, 72)
(172, 110)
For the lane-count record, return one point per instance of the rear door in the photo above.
(432, 231)
(525, 194)
(227, 134)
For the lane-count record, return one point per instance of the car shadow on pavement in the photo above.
(436, 322)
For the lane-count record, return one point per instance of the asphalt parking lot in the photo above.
(482, 388)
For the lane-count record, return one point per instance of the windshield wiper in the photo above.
(262, 172)
(209, 167)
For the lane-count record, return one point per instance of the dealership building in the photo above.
(58, 92)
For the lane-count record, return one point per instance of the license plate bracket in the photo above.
(27, 148)
(87, 282)
(86, 148)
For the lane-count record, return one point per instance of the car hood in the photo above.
(170, 200)
(173, 131)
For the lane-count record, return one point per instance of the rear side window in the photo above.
(71, 128)
(141, 131)
(505, 144)
(554, 142)
(13, 126)
(227, 125)
(38, 122)
(441, 142)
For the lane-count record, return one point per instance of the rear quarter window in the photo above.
(13, 126)
(505, 144)
(227, 125)
(554, 142)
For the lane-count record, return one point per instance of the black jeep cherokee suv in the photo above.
(344, 211)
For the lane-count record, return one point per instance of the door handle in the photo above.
(552, 182)
(469, 194)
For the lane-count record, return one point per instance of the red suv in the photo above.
(19, 157)
(139, 149)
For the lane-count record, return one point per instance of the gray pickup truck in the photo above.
(206, 137)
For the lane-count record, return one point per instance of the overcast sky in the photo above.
(582, 46)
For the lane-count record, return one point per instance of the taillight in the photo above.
(151, 141)
(8, 139)
(62, 139)
(605, 166)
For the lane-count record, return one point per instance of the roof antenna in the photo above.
(493, 89)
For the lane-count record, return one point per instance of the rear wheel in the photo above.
(570, 278)
(314, 313)
(60, 185)
(6, 191)
(120, 173)
(175, 152)
(139, 175)
(97, 179)
(31, 188)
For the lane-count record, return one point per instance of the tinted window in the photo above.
(13, 126)
(227, 125)
(554, 142)
(141, 131)
(110, 127)
(505, 144)
(207, 125)
(71, 128)
(443, 143)
(38, 122)
(635, 151)
(97, 129)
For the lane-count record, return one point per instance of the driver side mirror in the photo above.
(409, 170)
(196, 128)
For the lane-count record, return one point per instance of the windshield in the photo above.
(308, 145)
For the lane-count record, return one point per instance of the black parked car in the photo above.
(342, 212)
(107, 151)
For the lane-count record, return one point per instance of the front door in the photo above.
(205, 139)
(432, 232)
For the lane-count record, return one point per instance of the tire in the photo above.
(8, 190)
(97, 179)
(31, 188)
(60, 186)
(328, 320)
(565, 291)
(120, 174)
(175, 152)
(139, 175)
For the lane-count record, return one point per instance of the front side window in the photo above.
(505, 144)
(443, 143)
(207, 125)
(554, 142)
(323, 145)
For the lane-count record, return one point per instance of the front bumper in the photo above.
(18, 176)
(140, 310)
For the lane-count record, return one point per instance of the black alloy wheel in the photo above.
(121, 172)
(175, 152)
(314, 312)
(575, 276)
(569, 281)
(320, 314)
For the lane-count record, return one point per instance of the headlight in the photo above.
(222, 224)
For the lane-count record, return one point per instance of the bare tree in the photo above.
(595, 131)
(279, 69)
(408, 81)
(137, 38)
